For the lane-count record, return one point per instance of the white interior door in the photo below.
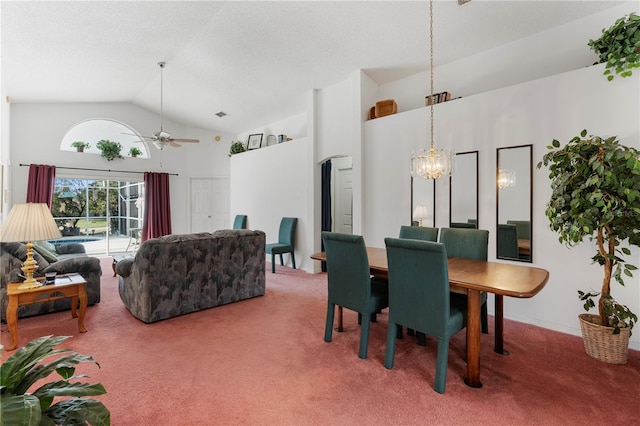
(342, 196)
(209, 204)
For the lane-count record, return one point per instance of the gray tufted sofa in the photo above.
(179, 274)
(71, 258)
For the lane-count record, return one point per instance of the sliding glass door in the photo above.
(104, 215)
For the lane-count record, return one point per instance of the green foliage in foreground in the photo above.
(27, 366)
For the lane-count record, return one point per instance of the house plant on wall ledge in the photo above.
(32, 364)
(110, 149)
(619, 46)
(134, 152)
(595, 186)
(80, 146)
(236, 148)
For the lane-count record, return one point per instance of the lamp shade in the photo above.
(29, 222)
(420, 212)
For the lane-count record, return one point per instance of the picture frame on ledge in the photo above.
(254, 141)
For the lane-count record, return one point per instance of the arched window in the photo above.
(94, 130)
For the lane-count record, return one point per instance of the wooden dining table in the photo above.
(472, 277)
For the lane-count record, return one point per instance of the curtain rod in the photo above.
(100, 170)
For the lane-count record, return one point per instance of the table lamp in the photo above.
(420, 212)
(27, 223)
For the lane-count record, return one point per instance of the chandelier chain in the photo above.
(431, 65)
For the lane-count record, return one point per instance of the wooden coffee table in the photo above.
(69, 285)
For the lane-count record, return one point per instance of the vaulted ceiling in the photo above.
(254, 60)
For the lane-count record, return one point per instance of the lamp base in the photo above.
(27, 285)
(29, 267)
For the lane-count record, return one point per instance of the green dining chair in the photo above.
(422, 300)
(424, 233)
(466, 225)
(523, 228)
(417, 233)
(240, 222)
(350, 285)
(285, 244)
(507, 242)
(469, 244)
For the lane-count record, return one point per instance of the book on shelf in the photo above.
(437, 98)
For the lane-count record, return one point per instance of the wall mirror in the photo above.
(463, 191)
(514, 199)
(423, 202)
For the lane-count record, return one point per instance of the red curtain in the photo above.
(40, 184)
(157, 206)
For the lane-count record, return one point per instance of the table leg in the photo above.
(12, 321)
(82, 295)
(499, 326)
(340, 328)
(74, 306)
(473, 339)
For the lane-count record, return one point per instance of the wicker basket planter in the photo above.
(600, 342)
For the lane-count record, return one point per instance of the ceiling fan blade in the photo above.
(186, 140)
(173, 144)
(139, 136)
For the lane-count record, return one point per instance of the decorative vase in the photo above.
(80, 148)
(600, 342)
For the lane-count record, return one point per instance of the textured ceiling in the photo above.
(254, 60)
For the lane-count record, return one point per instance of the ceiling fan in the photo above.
(162, 139)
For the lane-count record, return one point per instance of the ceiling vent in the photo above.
(221, 114)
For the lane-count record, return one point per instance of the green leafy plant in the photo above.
(595, 186)
(236, 148)
(80, 145)
(31, 364)
(134, 152)
(110, 149)
(619, 46)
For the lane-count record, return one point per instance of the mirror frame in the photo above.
(529, 151)
(477, 176)
(433, 183)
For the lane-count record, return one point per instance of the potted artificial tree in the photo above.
(110, 149)
(134, 152)
(595, 186)
(80, 146)
(619, 46)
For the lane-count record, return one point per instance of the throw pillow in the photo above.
(43, 249)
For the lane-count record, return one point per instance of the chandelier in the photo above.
(506, 178)
(432, 163)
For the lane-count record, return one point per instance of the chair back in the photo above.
(240, 222)
(287, 232)
(469, 225)
(507, 241)
(467, 243)
(347, 270)
(523, 228)
(418, 285)
(419, 233)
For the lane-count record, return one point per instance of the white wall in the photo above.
(270, 183)
(37, 129)
(535, 113)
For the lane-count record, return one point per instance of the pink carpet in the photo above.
(263, 361)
